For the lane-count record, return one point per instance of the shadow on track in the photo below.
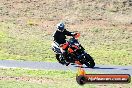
(96, 67)
(104, 68)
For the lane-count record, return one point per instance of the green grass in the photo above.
(24, 44)
(16, 84)
(54, 79)
(24, 78)
(108, 46)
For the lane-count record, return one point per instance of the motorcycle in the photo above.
(75, 53)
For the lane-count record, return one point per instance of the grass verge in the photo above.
(25, 78)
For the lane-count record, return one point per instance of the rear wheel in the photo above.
(60, 59)
(89, 61)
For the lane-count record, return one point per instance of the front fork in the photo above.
(81, 58)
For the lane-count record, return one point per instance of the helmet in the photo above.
(60, 27)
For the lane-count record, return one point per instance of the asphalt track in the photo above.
(108, 69)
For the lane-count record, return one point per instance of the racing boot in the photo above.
(65, 57)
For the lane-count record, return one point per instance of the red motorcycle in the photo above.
(75, 53)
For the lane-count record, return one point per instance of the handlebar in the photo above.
(77, 35)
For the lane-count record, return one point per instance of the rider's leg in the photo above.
(64, 55)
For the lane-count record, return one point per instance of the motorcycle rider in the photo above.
(60, 37)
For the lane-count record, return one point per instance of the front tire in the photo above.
(89, 61)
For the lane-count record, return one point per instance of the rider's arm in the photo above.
(69, 33)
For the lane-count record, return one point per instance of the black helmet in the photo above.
(60, 27)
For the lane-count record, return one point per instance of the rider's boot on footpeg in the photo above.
(65, 57)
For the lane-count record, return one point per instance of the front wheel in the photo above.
(89, 61)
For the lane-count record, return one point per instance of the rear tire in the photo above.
(89, 61)
(60, 59)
